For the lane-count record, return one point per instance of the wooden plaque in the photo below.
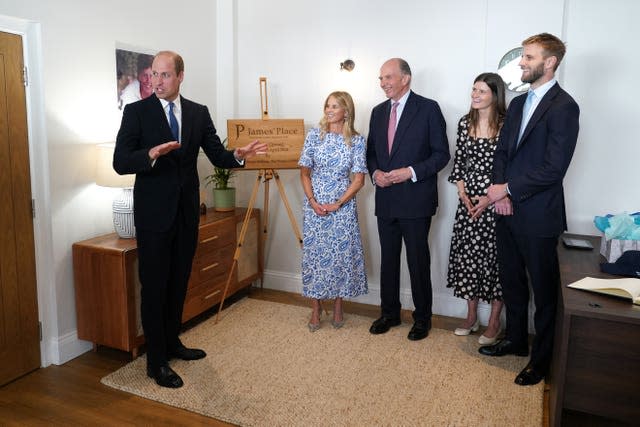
(284, 137)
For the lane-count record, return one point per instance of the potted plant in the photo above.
(224, 197)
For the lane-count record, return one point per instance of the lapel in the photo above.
(512, 138)
(410, 110)
(540, 110)
(187, 114)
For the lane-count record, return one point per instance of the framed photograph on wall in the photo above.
(133, 75)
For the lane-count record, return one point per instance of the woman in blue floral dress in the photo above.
(332, 170)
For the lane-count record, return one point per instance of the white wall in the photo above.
(299, 49)
(298, 46)
(600, 73)
(78, 41)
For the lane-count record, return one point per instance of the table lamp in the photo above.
(123, 202)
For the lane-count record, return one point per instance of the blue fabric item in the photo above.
(601, 222)
(621, 226)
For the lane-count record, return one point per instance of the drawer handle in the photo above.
(209, 239)
(209, 267)
(212, 294)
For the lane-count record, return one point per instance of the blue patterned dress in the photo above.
(332, 255)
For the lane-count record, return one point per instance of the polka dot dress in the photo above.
(473, 264)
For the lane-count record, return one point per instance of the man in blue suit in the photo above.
(406, 147)
(535, 149)
(159, 140)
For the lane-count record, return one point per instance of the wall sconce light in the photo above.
(347, 65)
(123, 203)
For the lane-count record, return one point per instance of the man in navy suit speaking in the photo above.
(406, 147)
(159, 140)
(536, 146)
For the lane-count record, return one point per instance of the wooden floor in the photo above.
(71, 394)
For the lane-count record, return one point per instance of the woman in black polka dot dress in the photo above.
(473, 265)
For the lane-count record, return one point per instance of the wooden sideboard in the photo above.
(107, 287)
(597, 345)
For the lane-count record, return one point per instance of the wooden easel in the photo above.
(264, 175)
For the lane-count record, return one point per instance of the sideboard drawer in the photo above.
(209, 266)
(201, 297)
(216, 235)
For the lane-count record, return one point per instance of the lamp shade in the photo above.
(105, 175)
(123, 220)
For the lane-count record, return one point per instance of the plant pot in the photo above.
(224, 200)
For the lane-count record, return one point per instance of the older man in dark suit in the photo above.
(536, 145)
(406, 147)
(159, 141)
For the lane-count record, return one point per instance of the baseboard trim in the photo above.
(444, 303)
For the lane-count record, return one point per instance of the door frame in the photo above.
(40, 193)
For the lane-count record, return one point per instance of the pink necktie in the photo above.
(393, 118)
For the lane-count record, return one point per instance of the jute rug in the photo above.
(264, 368)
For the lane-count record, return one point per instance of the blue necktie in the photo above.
(173, 123)
(526, 110)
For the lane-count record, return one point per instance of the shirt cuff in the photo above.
(413, 174)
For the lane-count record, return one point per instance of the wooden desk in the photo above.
(596, 364)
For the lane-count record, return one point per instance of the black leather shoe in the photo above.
(529, 376)
(383, 324)
(185, 353)
(419, 331)
(165, 377)
(502, 348)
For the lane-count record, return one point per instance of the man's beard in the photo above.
(534, 74)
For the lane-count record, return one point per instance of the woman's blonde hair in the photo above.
(346, 102)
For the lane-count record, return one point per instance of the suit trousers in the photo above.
(165, 260)
(537, 256)
(415, 233)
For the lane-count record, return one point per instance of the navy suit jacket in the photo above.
(172, 183)
(420, 142)
(535, 168)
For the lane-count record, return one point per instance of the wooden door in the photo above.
(19, 328)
